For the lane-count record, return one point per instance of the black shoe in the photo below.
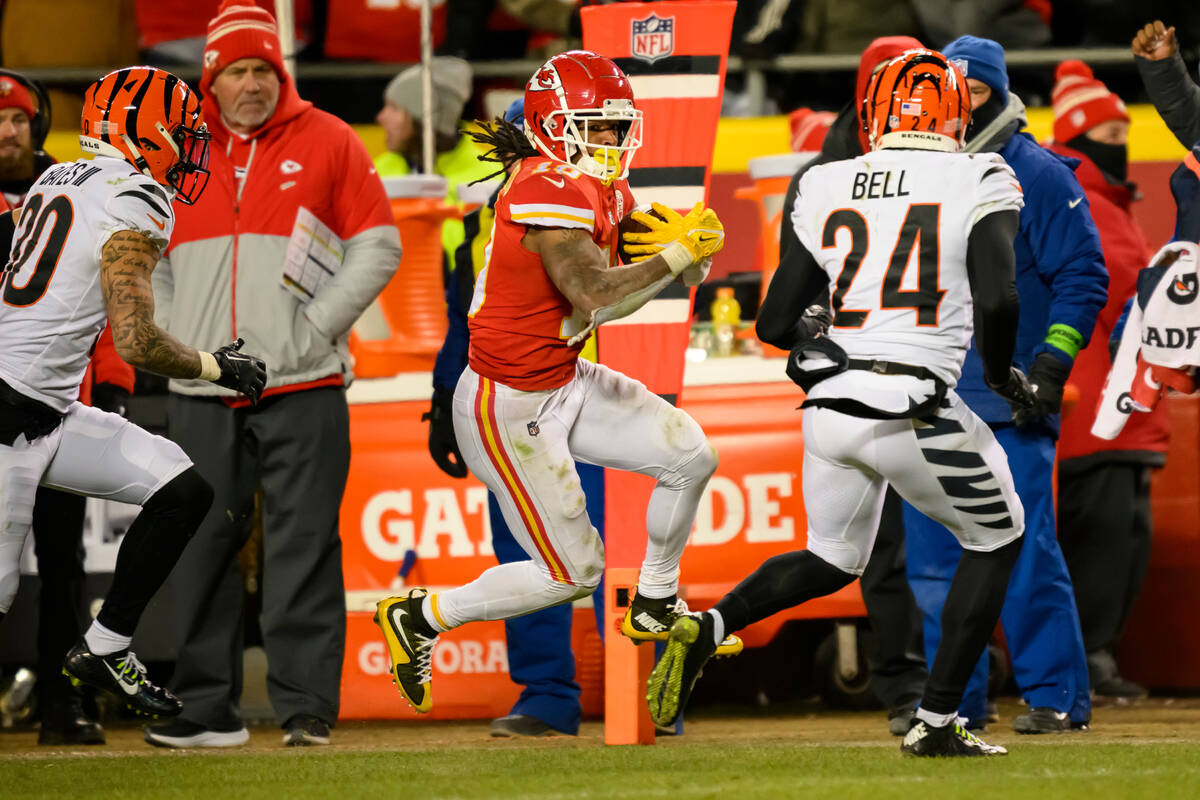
(900, 720)
(522, 725)
(950, 740)
(304, 730)
(670, 684)
(1118, 690)
(65, 722)
(181, 733)
(1046, 720)
(122, 675)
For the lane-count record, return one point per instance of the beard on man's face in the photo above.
(15, 165)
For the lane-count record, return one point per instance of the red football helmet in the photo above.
(151, 119)
(571, 90)
(919, 100)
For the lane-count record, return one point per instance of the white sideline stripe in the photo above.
(659, 87)
(657, 312)
(681, 198)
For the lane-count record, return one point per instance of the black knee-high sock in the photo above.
(781, 582)
(968, 618)
(151, 547)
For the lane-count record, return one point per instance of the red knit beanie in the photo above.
(809, 128)
(1081, 102)
(240, 30)
(14, 95)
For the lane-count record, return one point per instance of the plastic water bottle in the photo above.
(726, 316)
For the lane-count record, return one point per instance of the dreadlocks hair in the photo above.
(507, 144)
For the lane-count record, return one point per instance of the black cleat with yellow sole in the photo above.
(411, 652)
(650, 620)
(688, 649)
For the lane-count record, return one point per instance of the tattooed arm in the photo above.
(127, 260)
(581, 272)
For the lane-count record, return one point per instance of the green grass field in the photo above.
(1150, 752)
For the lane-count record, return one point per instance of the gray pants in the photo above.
(298, 447)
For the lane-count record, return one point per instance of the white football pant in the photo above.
(91, 452)
(523, 446)
(949, 467)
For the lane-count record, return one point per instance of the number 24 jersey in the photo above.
(53, 309)
(890, 229)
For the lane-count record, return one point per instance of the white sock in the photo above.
(718, 626)
(103, 642)
(936, 720)
(430, 617)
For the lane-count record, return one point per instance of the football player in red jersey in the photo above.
(526, 408)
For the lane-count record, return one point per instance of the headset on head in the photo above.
(39, 126)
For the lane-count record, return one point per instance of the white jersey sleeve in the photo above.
(139, 205)
(999, 189)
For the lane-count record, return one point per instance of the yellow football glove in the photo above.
(699, 235)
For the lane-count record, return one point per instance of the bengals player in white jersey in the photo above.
(915, 240)
(526, 408)
(88, 236)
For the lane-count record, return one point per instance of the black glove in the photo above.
(1048, 375)
(243, 373)
(443, 444)
(110, 397)
(1019, 394)
(815, 321)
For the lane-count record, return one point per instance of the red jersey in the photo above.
(519, 321)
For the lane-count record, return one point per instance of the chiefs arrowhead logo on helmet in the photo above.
(546, 79)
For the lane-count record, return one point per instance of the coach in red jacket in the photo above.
(1104, 486)
(287, 180)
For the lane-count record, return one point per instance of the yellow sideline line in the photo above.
(739, 140)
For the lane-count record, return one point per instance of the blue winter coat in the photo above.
(1061, 278)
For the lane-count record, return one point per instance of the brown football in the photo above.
(631, 225)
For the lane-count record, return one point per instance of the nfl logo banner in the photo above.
(653, 38)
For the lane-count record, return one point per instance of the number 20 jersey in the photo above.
(890, 229)
(53, 310)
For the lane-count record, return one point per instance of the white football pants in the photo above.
(92, 452)
(523, 446)
(949, 466)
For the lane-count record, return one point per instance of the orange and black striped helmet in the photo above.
(151, 119)
(919, 100)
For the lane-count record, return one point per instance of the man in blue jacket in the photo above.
(539, 645)
(1062, 284)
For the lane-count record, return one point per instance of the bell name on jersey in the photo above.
(878, 186)
(53, 308)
